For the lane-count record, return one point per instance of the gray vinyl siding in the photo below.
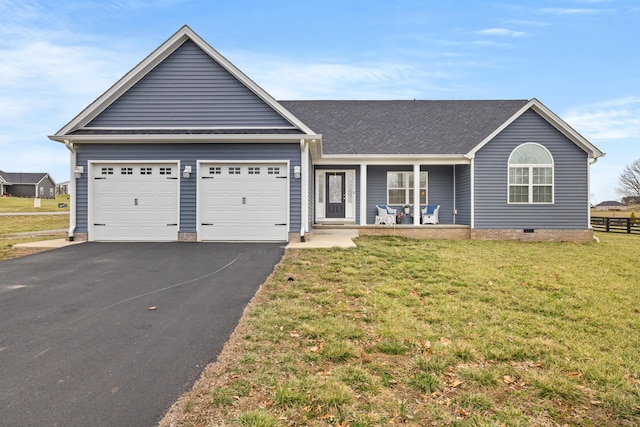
(570, 207)
(188, 89)
(439, 189)
(463, 194)
(188, 154)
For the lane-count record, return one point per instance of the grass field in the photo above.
(618, 214)
(461, 333)
(26, 228)
(25, 204)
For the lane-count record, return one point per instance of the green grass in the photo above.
(16, 229)
(25, 204)
(445, 333)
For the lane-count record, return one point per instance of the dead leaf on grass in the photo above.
(445, 341)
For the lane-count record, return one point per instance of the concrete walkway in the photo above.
(328, 239)
(319, 240)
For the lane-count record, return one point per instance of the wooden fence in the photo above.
(615, 225)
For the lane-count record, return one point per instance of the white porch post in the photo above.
(363, 194)
(416, 194)
(304, 157)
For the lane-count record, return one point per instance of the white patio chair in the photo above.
(430, 214)
(386, 215)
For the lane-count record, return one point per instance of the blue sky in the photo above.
(579, 57)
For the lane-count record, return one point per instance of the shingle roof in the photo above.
(403, 127)
(22, 177)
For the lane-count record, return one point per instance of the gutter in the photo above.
(72, 190)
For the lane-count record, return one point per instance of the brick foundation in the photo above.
(187, 237)
(538, 235)
(417, 232)
(80, 237)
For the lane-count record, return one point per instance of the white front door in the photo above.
(243, 201)
(133, 201)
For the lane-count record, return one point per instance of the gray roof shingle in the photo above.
(22, 177)
(403, 127)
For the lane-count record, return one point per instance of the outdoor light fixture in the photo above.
(186, 173)
(78, 171)
(296, 171)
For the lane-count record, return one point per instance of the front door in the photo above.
(335, 194)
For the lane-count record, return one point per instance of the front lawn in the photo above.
(425, 332)
(25, 204)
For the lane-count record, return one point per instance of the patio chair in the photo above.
(386, 215)
(430, 214)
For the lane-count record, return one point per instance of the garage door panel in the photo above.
(243, 202)
(134, 202)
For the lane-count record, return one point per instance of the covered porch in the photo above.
(347, 194)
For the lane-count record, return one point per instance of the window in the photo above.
(234, 171)
(254, 171)
(530, 174)
(126, 171)
(165, 171)
(215, 170)
(400, 188)
(273, 171)
(145, 171)
(106, 171)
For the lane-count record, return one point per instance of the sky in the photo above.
(578, 57)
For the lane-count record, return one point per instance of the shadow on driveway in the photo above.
(106, 334)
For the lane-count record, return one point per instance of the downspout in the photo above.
(72, 190)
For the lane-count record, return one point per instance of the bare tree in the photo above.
(629, 181)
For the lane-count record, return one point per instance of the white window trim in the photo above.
(530, 185)
(407, 188)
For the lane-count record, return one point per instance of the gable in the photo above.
(189, 89)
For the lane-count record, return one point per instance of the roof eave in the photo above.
(178, 138)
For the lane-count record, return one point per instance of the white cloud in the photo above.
(286, 78)
(500, 32)
(573, 11)
(611, 119)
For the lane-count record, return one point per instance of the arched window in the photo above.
(530, 174)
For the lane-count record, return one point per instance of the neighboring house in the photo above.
(62, 188)
(611, 205)
(21, 184)
(631, 200)
(187, 147)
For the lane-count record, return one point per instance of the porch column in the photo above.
(305, 179)
(363, 194)
(416, 194)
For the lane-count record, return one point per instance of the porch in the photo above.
(430, 231)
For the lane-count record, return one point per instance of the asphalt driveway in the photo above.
(106, 334)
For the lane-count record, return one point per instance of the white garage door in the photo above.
(134, 202)
(245, 201)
